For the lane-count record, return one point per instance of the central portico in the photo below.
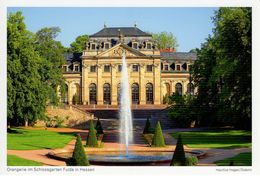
(101, 75)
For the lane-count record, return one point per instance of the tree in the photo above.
(165, 40)
(148, 129)
(178, 158)
(158, 139)
(92, 136)
(99, 127)
(52, 53)
(79, 44)
(25, 91)
(79, 157)
(223, 71)
(233, 37)
(182, 109)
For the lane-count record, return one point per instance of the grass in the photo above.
(242, 159)
(32, 139)
(13, 160)
(216, 138)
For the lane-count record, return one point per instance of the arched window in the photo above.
(149, 93)
(118, 93)
(92, 93)
(65, 96)
(107, 93)
(178, 88)
(135, 93)
(190, 89)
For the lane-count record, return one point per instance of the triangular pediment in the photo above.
(117, 50)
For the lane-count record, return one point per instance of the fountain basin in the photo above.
(120, 159)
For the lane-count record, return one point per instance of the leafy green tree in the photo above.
(233, 37)
(223, 71)
(148, 129)
(52, 53)
(92, 136)
(165, 40)
(79, 157)
(99, 127)
(182, 110)
(79, 44)
(25, 91)
(178, 158)
(158, 139)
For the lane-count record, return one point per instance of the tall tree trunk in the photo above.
(26, 123)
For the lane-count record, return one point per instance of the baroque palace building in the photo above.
(94, 76)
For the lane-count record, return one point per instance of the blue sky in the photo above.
(190, 25)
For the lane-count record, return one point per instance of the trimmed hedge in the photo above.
(178, 158)
(158, 139)
(148, 129)
(79, 157)
(99, 127)
(92, 136)
(191, 161)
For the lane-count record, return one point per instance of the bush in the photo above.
(92, 136)
(99, 127)
(79, 157)
(59, 121)
(148, 129)
(158, 139)
(178, 158)
(191, 161)
(55, 121)
(75, 99)
(166, 99)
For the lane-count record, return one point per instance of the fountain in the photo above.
(122, 156)
(126, 126)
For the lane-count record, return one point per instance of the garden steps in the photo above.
(110, 118)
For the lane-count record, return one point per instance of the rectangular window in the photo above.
(76, 68)
(178, 67)
(149, 68)
(93, 68)
(135, 68)
(93, 46)
(107, 46)
(107, 68)
(166, 67)
(135, 45)
(119, 68)
(149, 46)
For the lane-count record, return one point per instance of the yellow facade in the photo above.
(98, 79)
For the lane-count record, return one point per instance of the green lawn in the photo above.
(29, 139)
(216, 138)
(13, 160)
(242, 159)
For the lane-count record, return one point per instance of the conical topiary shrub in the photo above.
(178, 158)
(92, 136)
(79, 157)
(148, 129)
(99, 127)
(158, 139)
